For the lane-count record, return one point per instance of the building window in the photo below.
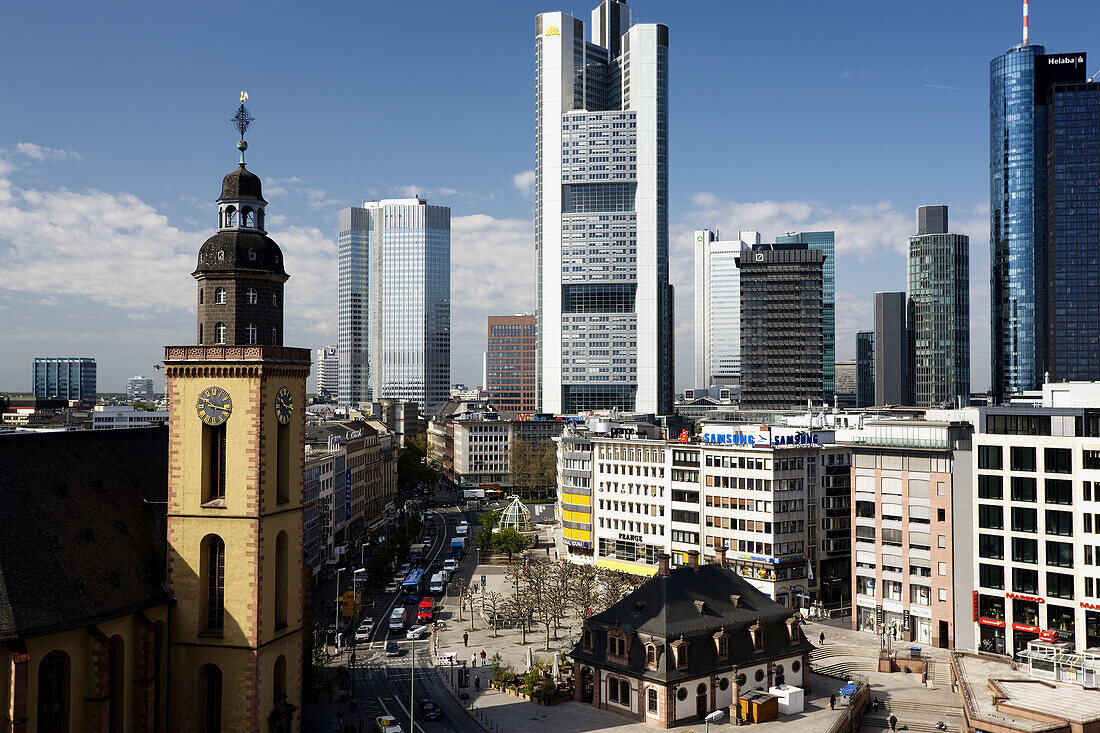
(1059, 523)
(991, 576)
(1058, 491)
(53, 693)
(1024, 520)
(682, 694)
(251, 331)
(220, 296)
(282, 464)
(200, 296)
(274, 299)
(989, 457)
(1060, 554)
(210, 699)
(991, 547)
(1025, 581)
(213, 583)
(281, 578)
(989, 487)
(247, 217)
(279, 688)
(1023, 488)
(251, 294)
(213, 463)
(1060, 585)
(274, 336)
(651, 700)
(624, 692)
(1057, 460)
(219, 333)
(990, 517)
(651, 655)
(230, 216)
(1025, 550)
(613, 689)
(1022, 458)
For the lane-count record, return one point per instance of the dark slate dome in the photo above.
(236, 247)
(242, 184)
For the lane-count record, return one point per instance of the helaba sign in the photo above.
(1071, 59)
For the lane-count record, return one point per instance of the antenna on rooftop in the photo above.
(1025, 22)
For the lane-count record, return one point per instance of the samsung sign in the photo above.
(761, 441)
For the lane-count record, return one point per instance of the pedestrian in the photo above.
(465, 639)
(875, 704)
(483, 657)
(822, 637)
(477, 683)
(832, 702)
(893, 722)
(473, 660)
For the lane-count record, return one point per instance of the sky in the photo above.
(784, 116)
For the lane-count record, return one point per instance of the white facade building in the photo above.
(605, 304)
(718, 307)
(110, 417)
(139, 388)
(327, 361)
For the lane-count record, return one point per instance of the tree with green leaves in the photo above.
(510, 541)
(533, 467)
(412, 462)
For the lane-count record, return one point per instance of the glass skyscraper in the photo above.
(865, 369)
(718, 308)
(395, 303)
(1073, 232)
(939, 310)
(604, 303)
(824, 242)
(65, 378)
(1019, 81)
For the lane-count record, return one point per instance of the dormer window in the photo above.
(587, 640)
(680, 653)
(616, 643)
(722, 644)
(251, 255)
(652, 654)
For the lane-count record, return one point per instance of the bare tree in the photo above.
(519, 605)
(494, 603)
(615, 585)
(583, 582)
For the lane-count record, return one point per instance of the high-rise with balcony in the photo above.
(825, 242)
(1019, 84)
(604, 302)
(718, 307)
(395, 302)
(939, 310)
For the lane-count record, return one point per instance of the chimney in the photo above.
(693, 559)
(662, 563)
(720, 556)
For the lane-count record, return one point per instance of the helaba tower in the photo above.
(1020, 83)
(605, 305)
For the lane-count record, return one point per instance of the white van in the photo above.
(437, 584)
(462, 529)
(449, 565)
(399, 619)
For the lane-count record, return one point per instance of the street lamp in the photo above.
(714, 717)
(412, 684)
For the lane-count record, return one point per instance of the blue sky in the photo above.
(114, 134)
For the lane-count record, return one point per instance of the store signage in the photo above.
(796, 439)
(905, 620)
(552, 31)
(1019, 597)
(975, 605)
(630, 537)
(624, 433)
(1025, 627)
(756, 558)
(729, 439)
(1093, 606)
(991, 622)
(878, 615)
(761, 440)
(1048, 635)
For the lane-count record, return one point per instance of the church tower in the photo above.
(235, 484)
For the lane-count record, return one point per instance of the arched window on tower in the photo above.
(259, 218)
(251, 296)
(116, 685)
(230, 216)
(53, 693)
(219, 333)
(281, 578)
(212, 584)
(274, 336)
(210, 699)
(247, 217)
(279, 691)
(220, 296)
(251, 333)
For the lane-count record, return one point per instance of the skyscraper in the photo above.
(781, 353)
(1019, 82)
(718, 307)
(1073, 233)
(65, 378)
(605, 304)
(865, 368)
(891, 350)
(510, 364)
(395, 302)
(327, 366)
(139, 388)
(939, 310)
(826, 243)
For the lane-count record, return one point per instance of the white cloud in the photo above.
(524, 182)
(39, 152)
(294, 187)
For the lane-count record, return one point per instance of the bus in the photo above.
(412, 587)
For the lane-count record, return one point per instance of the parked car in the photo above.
(393, 587)
(417, 632)
(428, 709)
(392, 650)
(364, 631)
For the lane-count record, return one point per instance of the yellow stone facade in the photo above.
(258, 650)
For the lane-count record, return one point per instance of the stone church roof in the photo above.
(83, 530)
(243, 251)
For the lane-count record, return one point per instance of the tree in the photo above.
(584, 589)
(520, 605)
(539, 578)
(533, 467)
(489, 518)
(615, 585)
(510, 541)
(493, 602)
(412, 462)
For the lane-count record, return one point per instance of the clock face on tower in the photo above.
(284, 405)
(214, 406)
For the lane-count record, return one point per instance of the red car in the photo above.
(426, 609)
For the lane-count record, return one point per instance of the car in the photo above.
(366, 628)
(392, 649)
(417, 632)
(405, 567)
(428, 709)
(450, 564)
(437, 564)
(393, 587)
(387, 724)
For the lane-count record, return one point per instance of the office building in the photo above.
(865, 368)
(718, 308)
(395, 307)
(604, 301)
(781, 355)
(847, 384)
(939, 311)
(1037, 524)
(1073, 232)
(825, 242)
(891, 350)
(510, 364)
(911, 539)
(65, 378)
(112, 417)
(326, 362)
(1019, 85)
(139, 388)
